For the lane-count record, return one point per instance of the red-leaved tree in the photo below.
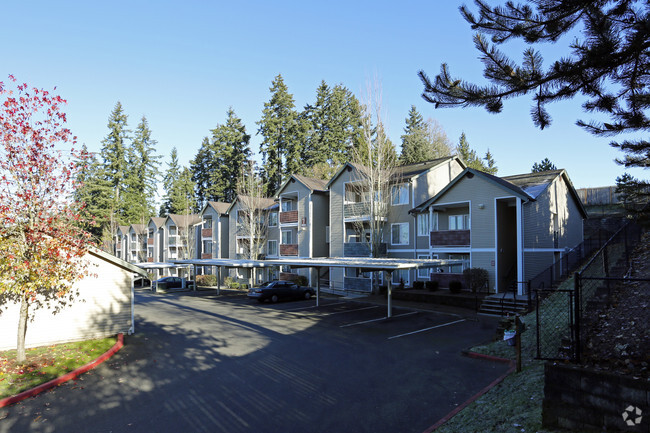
(42, 243)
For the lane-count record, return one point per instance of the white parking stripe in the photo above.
(350, 311)
(376, 320)
(426, 329)
(313, 306)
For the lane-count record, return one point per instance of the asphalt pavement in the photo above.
(205, 363)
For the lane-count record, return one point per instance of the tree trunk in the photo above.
(22, 330)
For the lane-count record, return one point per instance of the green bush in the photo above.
(455, 286)
(206, 280)
(431, 286)
(228, 282)
(418, 285)
(476, 278)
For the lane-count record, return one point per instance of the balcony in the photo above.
(150, 241)
(289, 217)
(206, 233)
(119, 247)
(176, 241)
(356, 210)
(456, 238)
(206, 255)
(288, 249)
(361, 249)
(150, 259)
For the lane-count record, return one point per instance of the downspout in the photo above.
(310, 222)
(520, 247)
(132, 328)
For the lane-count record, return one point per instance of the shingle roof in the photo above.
(411, 170)
(220, 206)
(158, 221)
(185, 220)
(139, 228)
(534, 183)
(312, 183)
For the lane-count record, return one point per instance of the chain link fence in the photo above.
(566, 315)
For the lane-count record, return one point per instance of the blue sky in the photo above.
(182, 64)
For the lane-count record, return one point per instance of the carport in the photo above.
(387, 265)
(160, 265)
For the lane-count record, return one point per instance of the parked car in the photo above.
(166, 283)
(276, 290)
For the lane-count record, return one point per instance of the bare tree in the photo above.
(375, 160)
(252, 223)
(441, 146)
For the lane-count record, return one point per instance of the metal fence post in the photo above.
(576, 315)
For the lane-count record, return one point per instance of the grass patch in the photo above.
(46, 363)
(514, 405)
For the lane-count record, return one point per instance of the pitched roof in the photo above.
(139, 228)
(470, 172)
(185, 220)
(219, 206)
(123, 229)
(265, 203)
(412, 170)
(158, 221)
(312, 183)
(116, 261)
(534, 183)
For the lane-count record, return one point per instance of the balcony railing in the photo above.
(150, 241)
(450, 238)
(290, 216)
(356, 210)
(362, 249)
(150, 259)
(206, 233)
(176, 241)
(206, 255)
(288, 249)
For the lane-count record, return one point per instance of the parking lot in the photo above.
(201, 362)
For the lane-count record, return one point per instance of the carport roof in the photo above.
(378, 264)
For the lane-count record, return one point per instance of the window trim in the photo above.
(407, 233)
(276, 219)
(400, 197)
(428, 224)
(275, 241)
(282, 237)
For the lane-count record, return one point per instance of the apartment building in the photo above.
(181, 236)
(298, 229)
(351, 229)
(214, 233)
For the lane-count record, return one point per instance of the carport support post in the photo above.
(317, 286)
(219, 280)
(390, 294)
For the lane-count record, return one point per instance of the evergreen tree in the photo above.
(95, 191)
(608, 64)
(215, 168)
(544, 165)
(472, 160)
(114, 163)
(182, 200)
(142, 175)
(415, 146)
(334, 123)
(281, 148)
(172, 174)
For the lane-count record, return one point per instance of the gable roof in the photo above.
(470, 172)
(536, 183)
(311, 183)
(403, 172)
(138, 228)
(185, 220)
(116, 261)
(219, 206)
(265, 203)
(158, 221)
(123, 229)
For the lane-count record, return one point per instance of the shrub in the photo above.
(475, 278)
(455, 286)
(206, 280)
(228, 282)
(418, 285)
(431, 286)
(301, 280)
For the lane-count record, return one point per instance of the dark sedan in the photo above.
(165, 283)
(276, 290)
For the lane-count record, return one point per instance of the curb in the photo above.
(476, 396)
(66, 377)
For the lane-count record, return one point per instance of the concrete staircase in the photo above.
(497, 305)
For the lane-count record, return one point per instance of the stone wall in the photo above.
(582, 398)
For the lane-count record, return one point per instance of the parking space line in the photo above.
(427, 329)
(350, 311)
(377, 320)
(313, 306)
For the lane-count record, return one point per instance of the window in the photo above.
(207, 247)
(272, 248)
(424, 272)
(287, 237)
(399, 234)
(423, 224)
(458, 268)
(287, 205)
(459, 222)
(207, 223)
(400, 194)
(401, 274)
(273, 219)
